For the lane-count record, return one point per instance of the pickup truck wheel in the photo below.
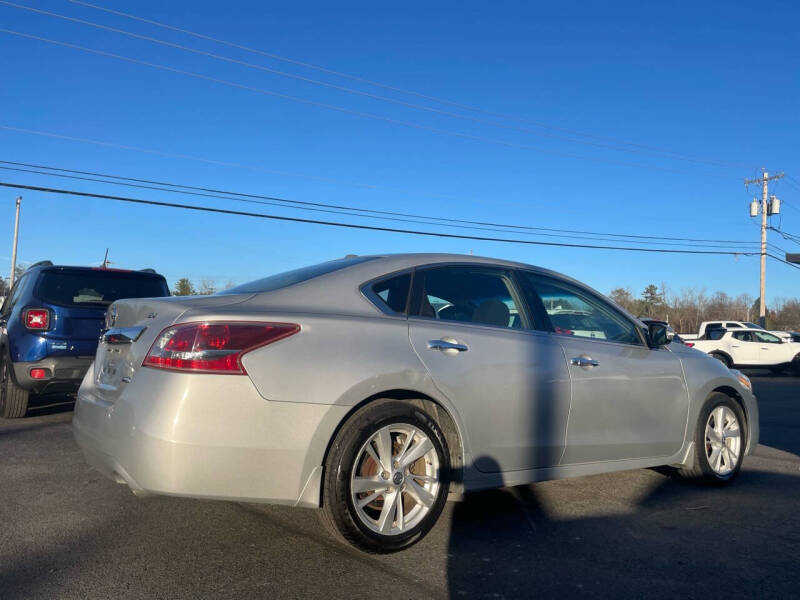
(722, 358)
(720, 439)
(13, 399)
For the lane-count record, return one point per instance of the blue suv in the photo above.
(50, 324)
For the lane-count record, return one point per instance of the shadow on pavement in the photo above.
(49, 405)
(676, 540)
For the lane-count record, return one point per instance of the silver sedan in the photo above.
(372, 387)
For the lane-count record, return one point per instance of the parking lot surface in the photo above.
(67, 532)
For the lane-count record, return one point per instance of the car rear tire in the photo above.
(722, 358)
(719, 442)
(13, 399)
(386, 477)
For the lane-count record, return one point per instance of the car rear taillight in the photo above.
(36, 318)
(39, 373)
(213, 347)
(690, 344)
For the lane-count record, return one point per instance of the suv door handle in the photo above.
(587, 362)
(446, 344)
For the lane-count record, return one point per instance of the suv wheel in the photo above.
(13, 399)
(720, 439)
(386, 477)
(722, 358)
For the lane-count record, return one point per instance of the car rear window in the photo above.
(97, 288)
(282, 280)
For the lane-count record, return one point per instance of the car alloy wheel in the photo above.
(386, 476)
(394, 482)
(723, 440)
(719, 443)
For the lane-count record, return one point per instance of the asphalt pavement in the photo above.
(67, 532)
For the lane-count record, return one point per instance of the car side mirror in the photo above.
(658, 335)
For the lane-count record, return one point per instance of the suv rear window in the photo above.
(97, 288)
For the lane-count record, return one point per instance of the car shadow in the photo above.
(659, 538)
(49, 405)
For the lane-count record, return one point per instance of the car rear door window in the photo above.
(476, 295)
(743, 336)
(575, 312)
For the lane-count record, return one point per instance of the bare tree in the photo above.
(207, 287)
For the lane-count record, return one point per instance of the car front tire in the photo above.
(13, 399)
(720, 441)
(386, 477)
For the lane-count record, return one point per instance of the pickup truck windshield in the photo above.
(97, 288)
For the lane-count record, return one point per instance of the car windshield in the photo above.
(97, 287)
(750, 325)
(287, 278)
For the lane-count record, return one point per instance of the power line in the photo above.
(780, 260)
(344, 110)
(786, 235)
(348, 90)
(394, 88)
(274, 201)
(359, 226)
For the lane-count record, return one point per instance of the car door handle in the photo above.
(587, 362)
(735, 346)
(444, 345)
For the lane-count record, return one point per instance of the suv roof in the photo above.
(49, 266)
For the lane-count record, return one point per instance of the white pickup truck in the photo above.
(706, 325)
(743, 347)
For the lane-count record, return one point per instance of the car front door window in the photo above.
(767, 338)
(575, 312)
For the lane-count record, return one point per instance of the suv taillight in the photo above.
(212, 347)
(36, 318)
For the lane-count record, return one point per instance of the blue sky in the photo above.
(717, 81)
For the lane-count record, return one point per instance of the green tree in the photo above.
(652, 301)
(183, 287)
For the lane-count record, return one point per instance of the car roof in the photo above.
(344, 284)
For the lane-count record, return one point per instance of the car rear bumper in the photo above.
(63, 374)
(205, 436)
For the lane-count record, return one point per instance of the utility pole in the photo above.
(14, 249)
(766, 210)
